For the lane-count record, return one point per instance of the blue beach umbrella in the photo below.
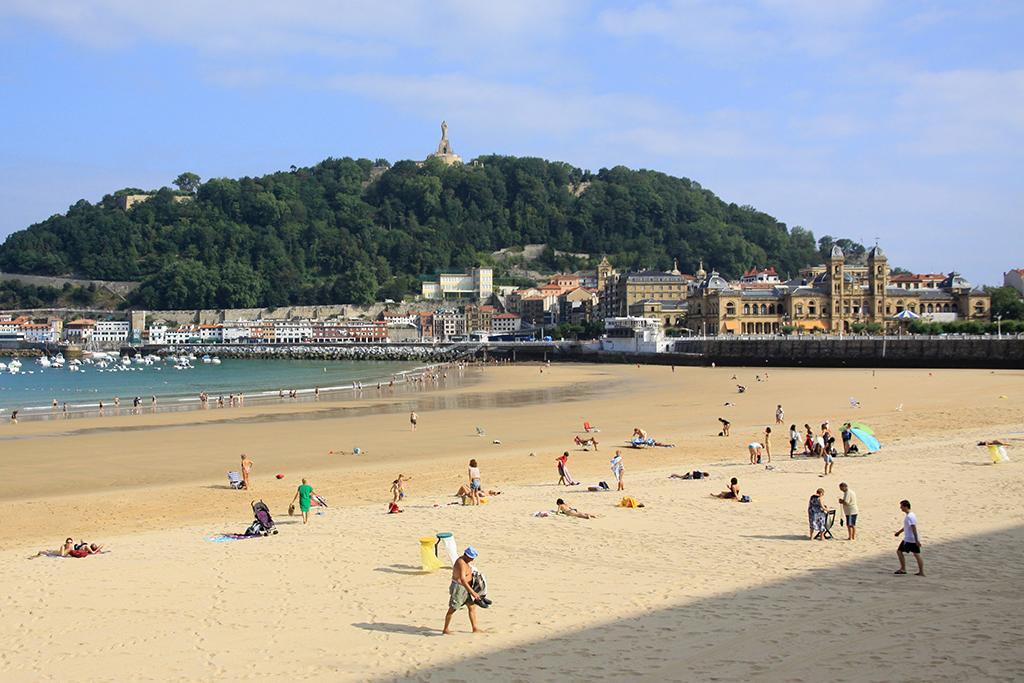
(869, 440)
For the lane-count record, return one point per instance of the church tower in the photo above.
(837, 283)
(878, 283)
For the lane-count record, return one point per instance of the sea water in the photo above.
(35, 387)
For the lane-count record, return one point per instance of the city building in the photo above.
(917, 281)
(634, 335)
(506, 322)
(578, 305)
(831, 298)
(449, 323)
(40, 333)
(111, 331)
(671, 313)
(1014, 278)
(80, 330)
(623, 290)
(477, 284)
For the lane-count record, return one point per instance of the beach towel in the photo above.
(629, 502)
(224, 538)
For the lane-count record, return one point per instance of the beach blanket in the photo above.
(629, 502)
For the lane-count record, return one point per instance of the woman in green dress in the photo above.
(303, 495)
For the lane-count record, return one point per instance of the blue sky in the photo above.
(902, 121)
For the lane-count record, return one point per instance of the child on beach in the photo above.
(767, 444)
(413, 418)
(732, 494)
(474, 482)
(779, 414)
(397, 488)
(246, 469)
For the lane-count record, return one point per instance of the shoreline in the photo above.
(169, 403)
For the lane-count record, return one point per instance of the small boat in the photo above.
(215, 361)
(207, 359)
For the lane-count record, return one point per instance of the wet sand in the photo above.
(687, 588)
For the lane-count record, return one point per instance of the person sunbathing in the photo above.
(64, 551)
(696, 474)
(564, 509)
(587, 442)
(732, 494)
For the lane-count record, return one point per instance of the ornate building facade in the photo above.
(833, 298)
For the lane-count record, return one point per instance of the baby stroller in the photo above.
(263, 525)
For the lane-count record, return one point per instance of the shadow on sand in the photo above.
(851, 622)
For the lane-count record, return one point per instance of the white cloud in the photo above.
(963, 112)
(745, 30)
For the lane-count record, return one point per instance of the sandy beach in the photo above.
(687, 588)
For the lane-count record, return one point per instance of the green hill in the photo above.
(355, 231)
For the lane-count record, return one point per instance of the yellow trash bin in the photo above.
(427, 557)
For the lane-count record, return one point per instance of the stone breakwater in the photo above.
(305, 352)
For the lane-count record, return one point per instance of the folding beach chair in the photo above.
(830, 519)
(588, 428)
(235, 480)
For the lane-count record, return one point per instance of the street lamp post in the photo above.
(999, 326)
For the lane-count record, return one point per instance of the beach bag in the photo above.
(696, 474)
(745, 499)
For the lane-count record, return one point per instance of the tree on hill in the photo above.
(187, 182)
(353, 230)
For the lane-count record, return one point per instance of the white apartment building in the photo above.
(477, 284)
(506, 322)
(111, 331)
(449, 324)
(40, 333)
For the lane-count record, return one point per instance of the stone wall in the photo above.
(121, 287)
(950, 352)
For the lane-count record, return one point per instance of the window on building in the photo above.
(730, 308)
(746, 309)
(799, 310)
(764, 309)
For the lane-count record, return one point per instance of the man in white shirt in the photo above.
(849, 503)
(911, 542)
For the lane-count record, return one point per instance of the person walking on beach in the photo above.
(460, 590)
(303, 495)
(911, 542)
(779, 413)
(474, 482)
(767, 444)
(246, 469)
(794, 440)
(849, 502)
(564, 478)
(618, 469)
(413, 418)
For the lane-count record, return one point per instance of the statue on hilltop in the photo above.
(444, 147)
